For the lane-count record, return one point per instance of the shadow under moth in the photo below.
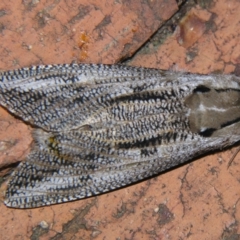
(101, 127)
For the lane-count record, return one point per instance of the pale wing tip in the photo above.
(23, 202)
(13, 204)
(35, 201)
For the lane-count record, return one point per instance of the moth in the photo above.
(101, 127)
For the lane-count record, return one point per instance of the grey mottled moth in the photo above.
(101, 127)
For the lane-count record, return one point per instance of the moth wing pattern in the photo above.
(60, 97)
(101, 127)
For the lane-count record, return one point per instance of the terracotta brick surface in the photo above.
(57, 31)
(199, 200)
(15, 139)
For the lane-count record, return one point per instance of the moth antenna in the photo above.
(233, 157)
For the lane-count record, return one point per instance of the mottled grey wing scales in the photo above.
(65, 168)
(61, 97)
(102, 127)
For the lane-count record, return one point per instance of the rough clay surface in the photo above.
(196, 201)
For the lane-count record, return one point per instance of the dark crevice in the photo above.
(230, 122)
(201, 89)
(165, 30)
(227, 90)
(207, 132)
